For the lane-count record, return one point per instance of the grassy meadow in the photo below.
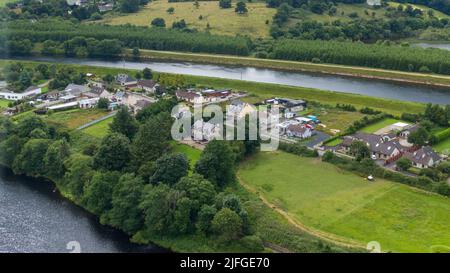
(4, 103)
(73, 119)
(330, 200)
(100, 129)
(221, 21)
(372, 128)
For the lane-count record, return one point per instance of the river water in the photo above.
(375, 88)
(35, 218)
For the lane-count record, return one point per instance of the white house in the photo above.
(205, 131)
(28, 93)
(425, 157)
(88, 103)
(296, 130)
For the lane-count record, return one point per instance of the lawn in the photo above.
(4, 103)
(379, 125)
(443, 147)
(100, 129)
(335, 119)
(192, 154)
(221, 21)
(330, 200)
(73, 119)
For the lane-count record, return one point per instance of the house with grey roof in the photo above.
(76, 89)
(425, 157)
(126, 80)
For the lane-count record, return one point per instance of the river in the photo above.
(375, 88)
(36, 218)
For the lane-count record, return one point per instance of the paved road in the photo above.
(96, 121)
(316, 139)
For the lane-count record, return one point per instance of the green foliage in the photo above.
(54, 159)
(98, 192)
(10, 149)
(227, 224)
(205, 217)
(103, 103)
(124, 123)
(198, 189)
(114, 153)
(158, 22)
(170, 168)
(241, 8)
(419, 137)
(217, 163)
(147, 73)
(125, 212)
(360, 150)
(79, 172)
(403, 164)
(30, 161)
(225, 4)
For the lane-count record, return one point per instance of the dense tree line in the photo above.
(132, 180)
(83, 47)
(441, 5)
(130, 36)
(358, 54)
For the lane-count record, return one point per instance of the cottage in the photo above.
(148, 86)
(95, 92)
(425, 157)
(300, 131)
(76, 89)
(189, 96)
(126, 80)
(88, 103)
(212, 95)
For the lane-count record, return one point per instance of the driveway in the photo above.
(316, 139)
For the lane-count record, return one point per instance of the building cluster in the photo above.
(194, 96)
(388, 147)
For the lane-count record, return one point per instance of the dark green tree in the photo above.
(227, 224)
(114, 153)
(124, 123)
(98, 192)
(30, 161)
(241, 8)
(170, 168)
(54, 159)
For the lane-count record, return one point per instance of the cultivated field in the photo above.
(221, 21)
(330, 200)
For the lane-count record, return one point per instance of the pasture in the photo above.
(100, 129)
(372, 128)
(221, 21)
(328, 199)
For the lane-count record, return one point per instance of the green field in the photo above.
(192, 154)
(379, 125)
(443, 147)
(336, 119)
(330, 200)
(221, 21)
(73, 119)
(4, 103)
(100, 129)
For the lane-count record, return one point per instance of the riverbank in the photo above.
(259, 91)
(340, 70)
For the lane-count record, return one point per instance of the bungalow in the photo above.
(88, 103)
(425, 157)
(212, 95)
(399, 126)
(411, 129)
(148, 86)
(240, 109)
(95, 92)
(27, 93)
(126, 80)
(189, 96)
(292, 105)
(297, 130)
(379, 148)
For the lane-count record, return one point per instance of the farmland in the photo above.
(343, 204)
(221, 21)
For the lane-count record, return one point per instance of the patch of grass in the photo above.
(4, 103)
(443, 146)
(379, 125)
(192, 154)
(335, 119)
(326, 198)
(334, 142)
(100, 129)
(73, 119)
(221, 21)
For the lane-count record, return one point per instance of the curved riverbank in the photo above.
(35, 217)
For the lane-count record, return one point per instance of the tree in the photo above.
(179, 24)
(216, 163)
(227, 224)
(78, 173)
(10, 149)
(225, 4)
(125, 212)
(198, 189)
(205, 217)
(152, 139)
(241, 8)
(30, 161)
(98, 192)
(170, 168)
(419, 137)
(103, 103)
(28, 124)
(158, 22)
(403, 164)
(170, 10)
(124, 123)
(147, 73)
(136, 52)
(360, 150)
(129, 6)
(114, 153)
(54, 159)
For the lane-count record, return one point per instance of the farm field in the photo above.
(100, 129)
(73, 119)
(221, 21)
(321, 196)
(379, 125)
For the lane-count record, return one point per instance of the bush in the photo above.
(252, 243)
